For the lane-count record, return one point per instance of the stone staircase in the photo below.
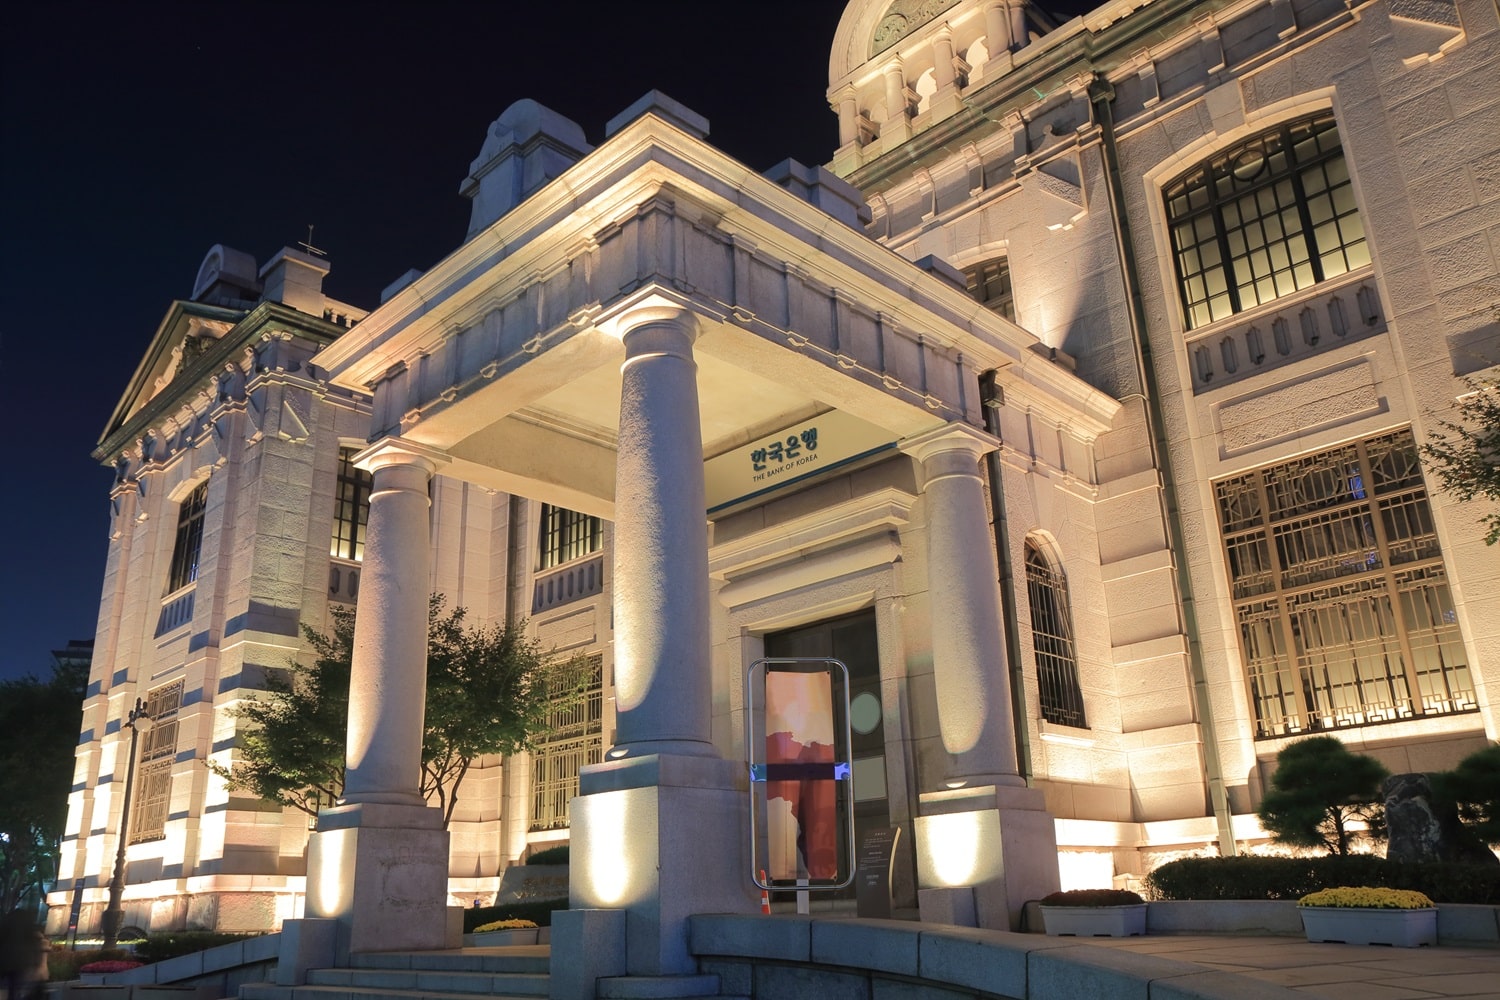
(513, 973)
(516, 972)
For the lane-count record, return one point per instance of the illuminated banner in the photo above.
(789, 455)
(802, 808)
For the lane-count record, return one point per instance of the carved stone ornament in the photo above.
(902, 18)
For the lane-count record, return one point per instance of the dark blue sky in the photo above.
(133, 137)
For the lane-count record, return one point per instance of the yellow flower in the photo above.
(1365, 897)
(505, 925)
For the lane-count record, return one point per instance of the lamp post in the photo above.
(137, 722)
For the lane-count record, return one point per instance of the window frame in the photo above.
(1059, 693)
(979, 279)
(351, 508)
(151, 803)
(1222, 182)
(187, 547)
(573, 738)
(565, 535)
(1339, 591)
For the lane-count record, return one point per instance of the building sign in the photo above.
(776, 460)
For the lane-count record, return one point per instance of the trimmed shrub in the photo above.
(1293, 878)
(551, 856)
(538, 913)
(1093, 897)
(160, 947)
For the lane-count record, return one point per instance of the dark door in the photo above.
(851, 639)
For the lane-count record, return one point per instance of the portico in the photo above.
(591, 347)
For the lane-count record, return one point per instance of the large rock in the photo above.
(1421, 829)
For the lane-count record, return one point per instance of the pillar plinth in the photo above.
(985, 830)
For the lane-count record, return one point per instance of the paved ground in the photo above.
(1343, 971)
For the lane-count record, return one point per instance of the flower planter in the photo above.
(501, 939)
(1095, 921)
(1361, 925)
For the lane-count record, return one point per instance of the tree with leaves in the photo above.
(1474, 788)
(39, 721)
(487, 693)
(1319, 791)
(1466, 456)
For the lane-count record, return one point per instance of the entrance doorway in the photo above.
(852, 640)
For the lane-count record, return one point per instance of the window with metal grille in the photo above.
(189, 543)
(156, 753)
(1344, 612)
(566, 535)
(351, 508)
(1265, 218)
(575, 737)
(1052, 636)
(989, 284)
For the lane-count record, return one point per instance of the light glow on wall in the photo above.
(1086, 869)
(953, 847)
(604, 865)
(327, 890)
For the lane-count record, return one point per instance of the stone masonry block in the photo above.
(877, 945)
(782, 938)
(993, 961)
(1218, 986)
(1084, 971)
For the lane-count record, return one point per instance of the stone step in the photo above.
(533, 958)
(658, 987)
(264, 991)
(434, 980)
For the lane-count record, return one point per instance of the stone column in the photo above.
(662, 681)
(1019, 36)
(658, 829)
(985, 842)
(895, 92)
(848, 111)
(377, 867)
(942, 58)
(996, 27)
(388, 676)
(968, 639)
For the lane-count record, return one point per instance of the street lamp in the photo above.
(137, 722)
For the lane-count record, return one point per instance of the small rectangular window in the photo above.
(351, 508)
(566, 535)
(989, 284)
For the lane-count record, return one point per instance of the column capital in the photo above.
(950, 437)
(399, 451)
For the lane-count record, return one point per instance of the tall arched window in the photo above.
(1264, 218)
(1052, 635)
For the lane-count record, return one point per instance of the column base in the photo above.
(381, 871)
(998, 840)
(660, 837)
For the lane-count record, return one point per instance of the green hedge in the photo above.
(538, 913)
(557, 855)
(160, 947)
(1293, 878)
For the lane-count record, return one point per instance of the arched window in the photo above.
(1052, 634)
(1264, 218)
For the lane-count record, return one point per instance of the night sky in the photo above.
(133, 137)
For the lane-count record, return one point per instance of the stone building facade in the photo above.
(1156, 304)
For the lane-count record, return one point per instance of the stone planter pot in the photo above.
(1095, 921)
(501, 939)
(1359, 925)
